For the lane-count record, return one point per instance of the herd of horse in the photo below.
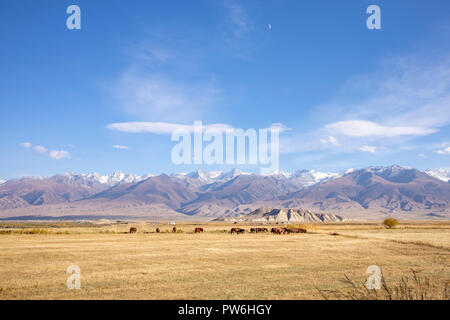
(273, 230)
(237, 230)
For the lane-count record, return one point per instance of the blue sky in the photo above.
(350, 96)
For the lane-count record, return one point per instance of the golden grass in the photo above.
(214, 264)
(413, 286)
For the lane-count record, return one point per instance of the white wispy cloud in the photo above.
(121, 147)
(370, 149)
(169, 127)
(405, 98)
(26, 145)
(161, 127)
(54, 154)
(390, 108)
(149, 52)
(39, 149)
(408, 91)
(238, 19)
(279, 126)
(238, 29)
(443, 151)
(59, 154)
(330, 140)
(333, 141)
(361, 128)
(153, 96)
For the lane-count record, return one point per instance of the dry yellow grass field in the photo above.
(211, 265)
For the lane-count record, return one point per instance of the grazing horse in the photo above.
(262, 230)
(198, 230)
(237, 230)
(253, 230)
(174, 229)
(158, 230)
(133, 230)
(276, 230)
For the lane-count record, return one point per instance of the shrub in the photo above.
(35, 231)
(410, 287)
(390, 223)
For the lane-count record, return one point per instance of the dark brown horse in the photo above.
(158, 230)
(237, 230)
(198, 230)
(174, 229)
(133, 230)
(277, 230)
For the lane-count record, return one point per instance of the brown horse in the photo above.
(276, 230)
(198, 230)
(158, 230)
(237, 230)
(174, 229)
(133, 230)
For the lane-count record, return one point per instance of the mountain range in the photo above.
(368, 193)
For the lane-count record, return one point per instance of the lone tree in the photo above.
(390, 223)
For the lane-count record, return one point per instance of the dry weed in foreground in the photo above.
(412, 287)
(32, 231)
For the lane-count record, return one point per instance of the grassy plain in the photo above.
(212, 265)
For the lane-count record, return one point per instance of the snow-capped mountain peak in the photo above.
(280, 173)
(146, 176)
(439, 173)
(114, 178)
(231, 174)
(344, 172)
(299, 178)
(306, 178)
(212, 176)
(204, 176)
(394, 168)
